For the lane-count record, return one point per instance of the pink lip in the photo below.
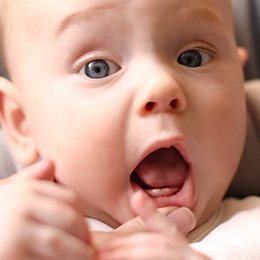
(185, 197)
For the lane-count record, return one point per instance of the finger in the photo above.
(143, 206)
(60, 193)
(29, 180)
(139, 246)
(51, 243)
(53, 204)
(183, 218)
(42, 170)
(128, 253)
(27, 185)
(60, 215)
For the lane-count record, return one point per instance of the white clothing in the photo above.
(97, 225)
(231, 233)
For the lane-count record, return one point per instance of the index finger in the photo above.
(42, 170)
(143, 206)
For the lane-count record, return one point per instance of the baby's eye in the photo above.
(97, 69)
(193, 58)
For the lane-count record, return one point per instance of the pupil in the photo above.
(97, 69)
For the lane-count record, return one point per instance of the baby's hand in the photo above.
(182, 218)
(161, 240)
(40, 219)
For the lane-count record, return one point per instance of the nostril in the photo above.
(173, 103)
(149, 106)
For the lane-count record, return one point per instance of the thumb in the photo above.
(42, 170)
(183, 218)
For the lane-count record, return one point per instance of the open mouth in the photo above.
(162, 173)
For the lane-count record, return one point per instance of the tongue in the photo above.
(163, 172)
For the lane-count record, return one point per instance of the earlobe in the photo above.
(243, 55)
(15, 125)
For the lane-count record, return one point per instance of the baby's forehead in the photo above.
(62, 5)
(65, 7)
(35, 15)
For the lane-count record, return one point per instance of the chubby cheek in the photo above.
(88, 150)
(94, 171)
(217, 147)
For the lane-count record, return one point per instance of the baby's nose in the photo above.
(161, 93)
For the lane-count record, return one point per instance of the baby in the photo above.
(126, 98)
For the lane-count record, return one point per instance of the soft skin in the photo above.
(98, 130)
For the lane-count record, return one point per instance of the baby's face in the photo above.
(128, 95)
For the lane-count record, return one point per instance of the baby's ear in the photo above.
(243, 55)
(15, 125)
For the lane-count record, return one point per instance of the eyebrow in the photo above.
(81, 16)
(207, 15)
(84, 16)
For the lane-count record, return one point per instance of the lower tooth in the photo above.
(161, 192)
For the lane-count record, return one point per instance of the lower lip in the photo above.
(183, 196)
